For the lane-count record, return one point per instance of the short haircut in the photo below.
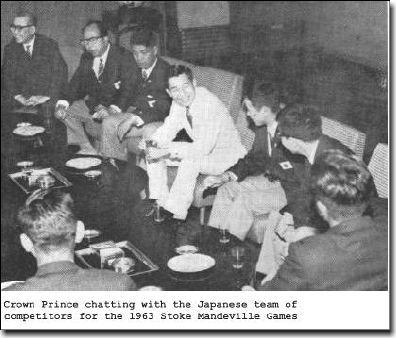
(177, 70)
(300, 121)
(102, 28)
(266, 94)
(342, 183)
(48, 220)
(144, 37)
(27, 14)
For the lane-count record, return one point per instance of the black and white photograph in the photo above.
(194, 147)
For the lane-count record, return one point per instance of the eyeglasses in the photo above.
(19, 28)
(93, 39)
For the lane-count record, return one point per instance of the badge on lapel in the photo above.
(286, 165)
(117, 85)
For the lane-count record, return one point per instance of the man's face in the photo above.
(292, 144)
(262, 116)
(182, 90)
(93, 42)
(144, 56)
(22, 29)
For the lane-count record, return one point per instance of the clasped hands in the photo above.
(214, 181)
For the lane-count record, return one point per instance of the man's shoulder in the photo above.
(326, 142)
(46, 41)
(311, 250)
(109, 279)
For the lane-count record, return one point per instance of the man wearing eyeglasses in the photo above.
(33, 69)
(101, 87)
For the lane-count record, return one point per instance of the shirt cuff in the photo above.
(62, 103)
(232, 176)
(138, 121)
(116, 108)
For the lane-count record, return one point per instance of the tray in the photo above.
(25, 180)
(91, 258)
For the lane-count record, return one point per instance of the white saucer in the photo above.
(83, 162)
(191, 262)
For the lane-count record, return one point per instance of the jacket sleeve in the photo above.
(59, 75)
(128, 80)
(75, 88)
(8, 77)
(254, 163)
(291, 275)
(153, 110)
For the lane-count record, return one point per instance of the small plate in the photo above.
(24, 124)
(28, 130)
(93, 173)
(191, 262)
(25, 164)
(186, 249)
(83, 162)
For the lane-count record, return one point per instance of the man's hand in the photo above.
(101, 112)
(125, 127)
(60, 112)
(21, 99)
(215, 181)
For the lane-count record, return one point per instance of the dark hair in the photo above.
(47, 219)
(27, 14)
(176, 70)
(102, 28)
(342, 183)
(300, 121)
(266, 93)
(144, 37)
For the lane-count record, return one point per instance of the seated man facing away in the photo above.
(33, 66)
(245, 183)
(353, 253)
(149, 100)
(49, 232)
(215, 142)
(100, 87)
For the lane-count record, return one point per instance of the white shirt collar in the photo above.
(311, 157)
(272, 128)
(149, 70)
(104, 55)
(30, 43)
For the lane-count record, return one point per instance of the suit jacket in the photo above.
(44, 73)
(350, 256)
(150, 98)
(115, 85)
(67, 276)
(297, 185)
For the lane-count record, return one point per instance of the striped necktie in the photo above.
(145, 74)
(101, 68)
(188, 115)
(28, 50)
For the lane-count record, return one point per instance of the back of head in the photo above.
(301, 122)
(266, 94)
(47, 219)
(144, 37)
(342, 183)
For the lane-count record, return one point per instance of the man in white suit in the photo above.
(215, 145)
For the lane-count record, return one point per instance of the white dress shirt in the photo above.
(30, 44)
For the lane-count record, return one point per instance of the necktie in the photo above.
(144, 74)
(28, 51)
(101, 68)
(188, 115)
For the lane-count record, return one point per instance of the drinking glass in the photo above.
(238, 257)
(224, 235)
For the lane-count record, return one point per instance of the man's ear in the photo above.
(155, 50)
(80, 229)
(322, 210)
(26, 243)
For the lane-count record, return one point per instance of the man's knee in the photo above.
(110, 123)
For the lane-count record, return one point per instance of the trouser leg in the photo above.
(158, 181)
(111, 146)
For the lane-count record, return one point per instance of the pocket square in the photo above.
(286, 165)
(117, 85)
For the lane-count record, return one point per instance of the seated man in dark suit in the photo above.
(101, 87)
(33, 69)
(244, 183)
(353, 253)
(49, 232)
(150, 102)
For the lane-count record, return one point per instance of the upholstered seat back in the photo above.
(347, 135)
(72, 57)
(379, 168)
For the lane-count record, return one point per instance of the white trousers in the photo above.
(238, 203)
(179, 197)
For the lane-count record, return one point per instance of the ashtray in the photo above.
(123, 264)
